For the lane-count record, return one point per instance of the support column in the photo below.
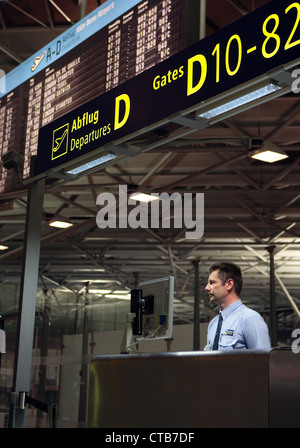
(27, 303)
(44, 349)
(202, 19)
(84, 365)
(273, 313)
(196, 338)
(82, 9)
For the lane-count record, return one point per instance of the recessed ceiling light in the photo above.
(143, 197)
(266, 151)
(60, 224)
(266, 155)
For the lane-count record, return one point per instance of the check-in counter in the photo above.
(195, 390)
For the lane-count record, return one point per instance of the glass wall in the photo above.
(69, 329)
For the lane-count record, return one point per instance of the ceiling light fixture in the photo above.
(118, 296)
(266, 151)
(141, 194)
(100, 291)
(92, 164)
(57, 221)
(240, 101)
(59, 224)
(2, 247)
(143, 197)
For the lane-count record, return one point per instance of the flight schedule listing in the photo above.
(147, 34)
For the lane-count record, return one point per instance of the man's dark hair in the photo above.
(229, 270)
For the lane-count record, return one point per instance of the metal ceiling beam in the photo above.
(257, 254)
(50, 15)
(112, 271)
(283, 207)
(174, 264)
(285, 122)
(288, 295)
(153, 170)
(74, 204)
(237, 130)
(283, 231)
(206, 171)
(15, 253)
(239, 6)
(290, 190)
(283, 174)
(26, 14)
(269, 223)
(243, 176)
(61, 12)
(250, 232)
(11, 54)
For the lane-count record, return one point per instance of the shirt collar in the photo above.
(225, 313)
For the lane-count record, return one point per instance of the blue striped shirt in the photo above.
(242, 328)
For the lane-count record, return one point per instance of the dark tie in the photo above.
(217, 336)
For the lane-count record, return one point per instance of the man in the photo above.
(236, 327)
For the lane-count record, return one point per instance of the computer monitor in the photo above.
(152, 304)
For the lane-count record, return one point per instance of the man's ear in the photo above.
(230, 284)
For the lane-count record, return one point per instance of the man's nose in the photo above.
(207, 287)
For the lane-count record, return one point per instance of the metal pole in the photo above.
(202, 19)
(273, 314)
(196, 340)
(82, 9)
(44, 347)
(84, 367)
(27, 304)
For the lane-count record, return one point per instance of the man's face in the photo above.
(216, 290)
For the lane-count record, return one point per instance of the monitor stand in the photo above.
(129, 344)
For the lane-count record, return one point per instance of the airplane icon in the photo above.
(37, 61)
(60, 141)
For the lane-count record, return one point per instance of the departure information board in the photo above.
(252, 60)
(61, 79)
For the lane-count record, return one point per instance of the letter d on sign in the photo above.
(199, 59)
(126, 100)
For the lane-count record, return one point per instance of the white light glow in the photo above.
(91, 280)
(92, 164)
(245, 99)
(99, 291)
(143, 197)
(121, 291)
(60, 224)
(269, 156)
(118, 296)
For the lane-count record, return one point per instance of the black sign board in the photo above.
(247, 49)
(93, 56)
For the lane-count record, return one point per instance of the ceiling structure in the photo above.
(251, 208)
